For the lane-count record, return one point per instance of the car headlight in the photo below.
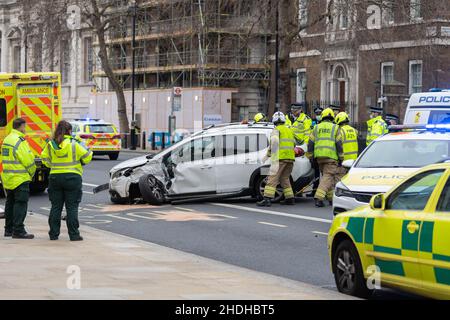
(343, 191)
(118, 173)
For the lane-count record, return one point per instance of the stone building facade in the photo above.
(22, 50)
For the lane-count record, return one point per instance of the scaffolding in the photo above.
(190, 43)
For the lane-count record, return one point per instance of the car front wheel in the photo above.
(261, 183)
(348, 273)
(151, 190)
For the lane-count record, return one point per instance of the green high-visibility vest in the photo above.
(17, 160)
(325, 134)
(284, 137)
(349, 142)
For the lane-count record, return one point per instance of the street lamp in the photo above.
(133, 9)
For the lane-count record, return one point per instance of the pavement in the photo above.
(111, 266)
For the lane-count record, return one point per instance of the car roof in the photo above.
(90, 121)
(235, 128)
(416, 135)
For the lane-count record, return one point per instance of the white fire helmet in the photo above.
(278, 117)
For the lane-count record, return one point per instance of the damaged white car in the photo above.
(213, 164)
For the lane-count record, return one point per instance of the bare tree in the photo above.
(43, 23)
(99, 19)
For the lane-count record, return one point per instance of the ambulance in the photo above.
(429, 108)
(35, 97)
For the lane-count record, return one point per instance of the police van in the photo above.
(429, 108)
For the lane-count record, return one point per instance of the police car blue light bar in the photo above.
(422, 127)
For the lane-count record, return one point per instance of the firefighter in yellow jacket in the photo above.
(65, 157)
(349, 140)
(326, 147)
(281, 152)
(18, 171)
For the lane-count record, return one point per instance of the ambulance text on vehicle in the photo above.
(35, 97)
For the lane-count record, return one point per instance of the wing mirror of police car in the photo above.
(378, 202)
(348, 163)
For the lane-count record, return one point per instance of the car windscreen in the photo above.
(404, 154)
(101, 128)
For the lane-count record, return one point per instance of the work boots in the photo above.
(319, 203)
(264, 203)
(288, 202)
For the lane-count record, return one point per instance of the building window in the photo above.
(243, 113)
(303, 12)
(88, 60)
(387, 72)
(343, 10)
(37, 57)
(301, 85)
(388, 12)
(65, 61)
(415, 76)
(17, 56)
(416, 9)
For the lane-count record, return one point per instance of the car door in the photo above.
(194, 167)
(435, 244)
(239, 155)
(392, 237)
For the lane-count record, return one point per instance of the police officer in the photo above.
(326, 147)
(65, 156)
(317, 117)
(18, 171)
(336, 109)
(376, 126)
(349, 140)
(281, 152)
(301, 126)
(260, 117)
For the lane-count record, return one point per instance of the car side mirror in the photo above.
(378, 202)
(348, 163)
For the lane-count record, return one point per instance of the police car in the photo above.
(400, 240)
(429, 108)
(388, 160)
(99, 136)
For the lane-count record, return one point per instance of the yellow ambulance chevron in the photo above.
(35, 97)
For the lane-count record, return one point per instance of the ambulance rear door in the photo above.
(35, 105)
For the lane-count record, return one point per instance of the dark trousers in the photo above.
(64, 189)
(16, 207)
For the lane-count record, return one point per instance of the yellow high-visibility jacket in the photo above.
(17, 160)
(68, 157)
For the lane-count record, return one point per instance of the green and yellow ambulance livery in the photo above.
(401, 239)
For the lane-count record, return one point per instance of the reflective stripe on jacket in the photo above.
(376, 129)
(68, 157)
(17, 160)
(349, 137)
(302, 128)
(282, 144)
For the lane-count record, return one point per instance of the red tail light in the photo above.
(86, 136)
(117, 136)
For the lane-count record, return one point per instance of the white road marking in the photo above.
(88, 192)
(275, 213)
(185, 209)
(89, 185)
(120, 217)
(273, 224)
(320, 233)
